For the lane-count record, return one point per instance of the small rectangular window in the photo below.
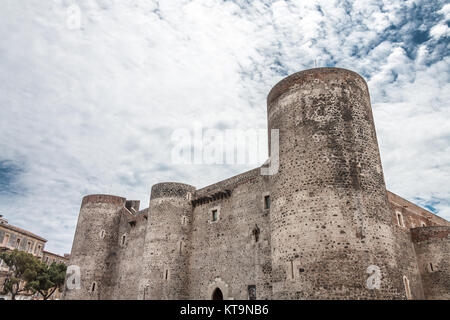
(251, 292)
(267, 202)
(214, 215)
(6, 240)
(17, 243)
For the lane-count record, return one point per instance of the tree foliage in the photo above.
(49, 279)
(23, 269)
(28, 273)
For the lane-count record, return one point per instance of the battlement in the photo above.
(133, 205)
(135, 217)
(229, 183)
(413, 214)
(171, 190)
(103, 198)
(310, 75)
(433, 233)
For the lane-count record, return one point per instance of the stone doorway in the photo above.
(217, 294)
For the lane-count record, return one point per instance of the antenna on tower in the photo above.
(315, 63)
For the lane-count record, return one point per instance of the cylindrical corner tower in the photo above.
(95, 236)
(432, 246)
(167, 242)
(332, 234)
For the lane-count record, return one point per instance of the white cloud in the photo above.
(92, 110)
(439, 31)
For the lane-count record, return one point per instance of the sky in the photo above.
(93, 90)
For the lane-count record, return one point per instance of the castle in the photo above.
(323, 226)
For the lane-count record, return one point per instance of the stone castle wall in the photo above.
(93, 249)
(167, 241)
(330, 214)
(330, 221)
(432, 246)
(241, 233)
(127, 272)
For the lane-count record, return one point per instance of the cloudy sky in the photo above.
(91, 92)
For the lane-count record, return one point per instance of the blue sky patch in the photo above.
(9, 173)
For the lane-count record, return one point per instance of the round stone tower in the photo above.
(93, 246)
(432, 246)
(167, 242)
(332, 234)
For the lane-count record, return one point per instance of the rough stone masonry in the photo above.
(323, 227)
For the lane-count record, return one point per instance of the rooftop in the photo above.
(22, 231)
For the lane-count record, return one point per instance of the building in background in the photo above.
(12, 237)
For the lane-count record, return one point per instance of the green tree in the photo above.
(49, 279)
(23, 268)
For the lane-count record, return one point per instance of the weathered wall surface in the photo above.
(407, 215)
(407, 262)
(330, 217)
(412, 215)
(96, 237)
(233, 252)
(167, 242)
(432, 245)
(127, 272)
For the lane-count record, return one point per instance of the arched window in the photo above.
(217, 295)
(407, 288)
(400, 221)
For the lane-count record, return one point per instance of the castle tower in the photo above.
(432, 246)
(167, 242)
(331, 223)
(93, 246)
